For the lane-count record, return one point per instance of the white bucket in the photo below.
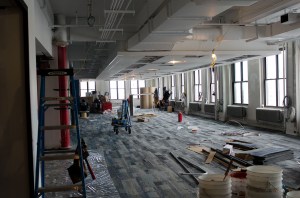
(264, 171)
(267, 178)
(214, 186)
(293, 194)
(259, 193)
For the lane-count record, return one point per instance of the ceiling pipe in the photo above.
(120, 11)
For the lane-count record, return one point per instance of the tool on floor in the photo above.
(228, 169)
(44, 155)
(85, 154)
(123, 119)
(184, 168)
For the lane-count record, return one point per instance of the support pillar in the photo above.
(63, 92)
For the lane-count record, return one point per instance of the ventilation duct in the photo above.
(60, 35)
(205, 34)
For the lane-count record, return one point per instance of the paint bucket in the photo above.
(264, 182)
(293, 194)
(238, 184)
(214, 186)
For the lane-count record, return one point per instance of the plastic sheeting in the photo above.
(103, 186)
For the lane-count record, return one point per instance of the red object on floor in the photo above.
(179, 116)
(63, 92)
(106, 106)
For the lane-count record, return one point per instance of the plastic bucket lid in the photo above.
(264, 179)
(293, 194)
(264, 171)
(215, 179)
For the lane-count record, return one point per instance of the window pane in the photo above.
(133, 84)
(172, 80)
(83, 85)
(121, 93)
(141, 83)
(200, 77)
(182, 79)
(121, 84)
(237, 93)
(173, 93)
(237, 72)
(92, 85)
(113, 84)
(196, 93)
(245, 92)
(212, 92)
(281, 68)
(212, 75)
(134, 92)
(83, 92)
(182, 89)
(281, 93)
(113, 94)
(270, 92)
(245, 70)
(196, 75)
(200, 92)
(271, 67)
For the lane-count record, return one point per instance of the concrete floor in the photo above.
(140, 165)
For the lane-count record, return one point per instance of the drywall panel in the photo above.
(15, 134)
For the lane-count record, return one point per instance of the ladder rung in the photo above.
(74, 187)
(55, 72)
(59, 127)
(51, 157)
(57, 151)
(57, 98)
(58, 105)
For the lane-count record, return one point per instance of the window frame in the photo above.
(137, 88)
(197, 85)
(182, 84)
(117, 88)
(240, 82)
(212, 84)
(88, 89)
(276, 79)
(173, 89)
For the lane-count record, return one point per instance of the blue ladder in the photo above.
(42, 155)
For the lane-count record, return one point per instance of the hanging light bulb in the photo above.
(213, 59)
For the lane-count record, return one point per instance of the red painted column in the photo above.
(63, 92)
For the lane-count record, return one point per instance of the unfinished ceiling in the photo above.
(125, 39)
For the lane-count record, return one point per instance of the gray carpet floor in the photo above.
(139, 164)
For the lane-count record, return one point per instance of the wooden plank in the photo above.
(198, 149)
(210, 157)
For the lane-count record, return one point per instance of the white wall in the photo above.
(15, 139)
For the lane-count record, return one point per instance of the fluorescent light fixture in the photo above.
(152, 69)
(175, 62)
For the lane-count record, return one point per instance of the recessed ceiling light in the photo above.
(175, 62)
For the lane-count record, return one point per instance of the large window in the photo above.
(173, 87)
(182, 82)
(135, 86)
(212, 86)
(275, 80)
(87, 87)
(117, 89)
(240, 83)
(197, 85)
